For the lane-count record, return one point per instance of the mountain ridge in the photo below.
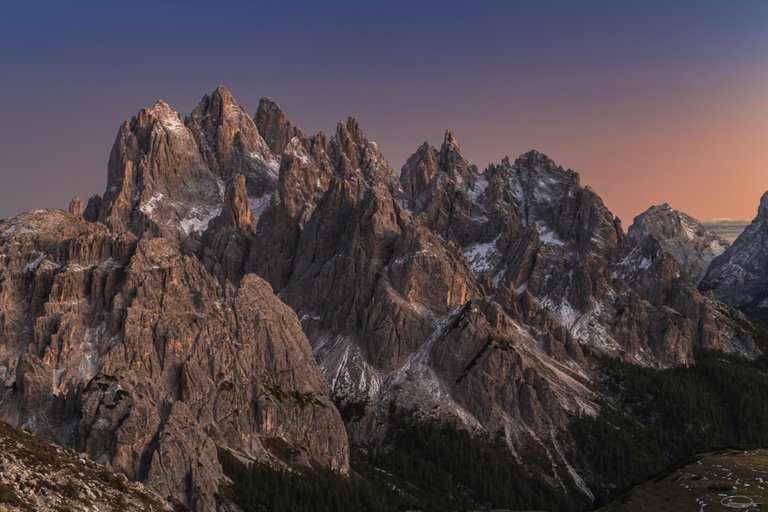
(235, 258)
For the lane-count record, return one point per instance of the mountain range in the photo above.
(242, 288)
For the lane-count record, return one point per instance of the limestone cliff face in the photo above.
(276, 130)
(342, 251)
(226, 243)
(306, 169)
(132, 352)
(158, 181)
(167, 176)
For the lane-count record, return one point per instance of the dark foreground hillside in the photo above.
(41, 477)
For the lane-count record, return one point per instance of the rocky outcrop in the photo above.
(134, 354)
(419, 170)
(76, 207)
(664, 257)
(440, 187)
(739, 276)
(35, 475)
(236, 212)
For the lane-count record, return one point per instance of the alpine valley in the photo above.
(252, 318)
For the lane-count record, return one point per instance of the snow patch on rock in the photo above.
(150, 205)
(198, 219)
(483, 256)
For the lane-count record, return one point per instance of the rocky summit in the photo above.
(685, 239)
(238, 281)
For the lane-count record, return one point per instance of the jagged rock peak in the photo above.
(160, 111)
(450, 144)
(223, 94)
(451, 161)
(533, 158)
(216, 103)
(535, 161)
(419, 170)
(653, 213)
(681, 223)
(76, 206)
(160, 115)
(237, 210)
(350, 131)
(274, 127)
(449, 140)
(157, 182)
(684, 238)
(230, 142)
(762, 211)
(351, 150)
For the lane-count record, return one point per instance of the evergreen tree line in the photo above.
(463, 471)
(421, 466)
(662, 418)
(260, 488)
(657, 420)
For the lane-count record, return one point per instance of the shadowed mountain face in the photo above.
(739, 277)
(688, 242)
(237, 275)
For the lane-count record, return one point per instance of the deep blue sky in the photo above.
(649, 101)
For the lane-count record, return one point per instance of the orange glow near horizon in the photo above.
(708, 158)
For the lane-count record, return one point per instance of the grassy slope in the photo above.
(703, 484)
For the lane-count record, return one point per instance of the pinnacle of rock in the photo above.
(76, 206)
(237, 211)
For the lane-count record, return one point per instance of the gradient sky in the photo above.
(651, 101)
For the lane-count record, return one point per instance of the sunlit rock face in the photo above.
(116, 340)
